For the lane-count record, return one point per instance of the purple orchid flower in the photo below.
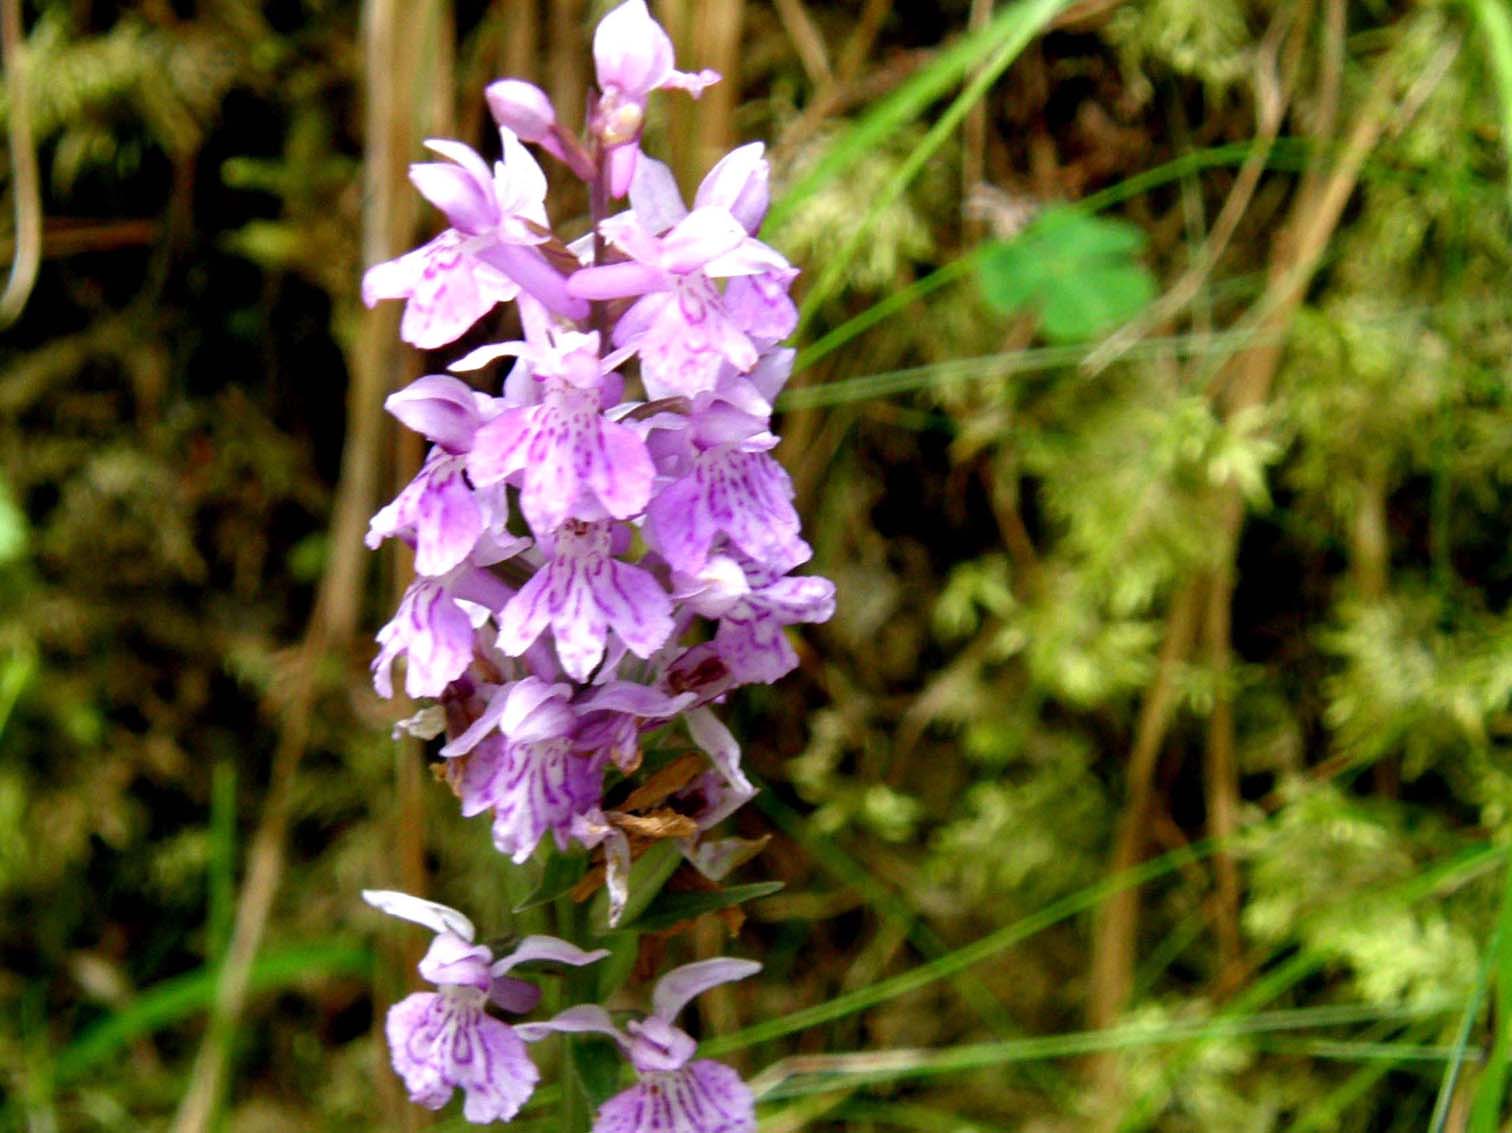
(675, 1093)
(582, 593)
(633, 57)
(753, 606)
(487, 255)
(523, 762)
(439, 512)
(445, 1040)
(732, 489)
(434, 629)
(574, 463)
(680, 325)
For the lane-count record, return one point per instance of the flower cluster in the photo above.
(603, 548)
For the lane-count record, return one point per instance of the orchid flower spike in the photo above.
(675, 1093)
(445, 1040)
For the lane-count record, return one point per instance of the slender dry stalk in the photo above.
(974, 139)
(807, 40)
(715, 43)
(522, 39)
(1246, 385)
(392, 57)
(1270, 106)
(567, 79)
(1221, 779)
(27, 248)
(1117, 920)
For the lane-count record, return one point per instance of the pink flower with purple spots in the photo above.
(445, 1040)
(675, 1093)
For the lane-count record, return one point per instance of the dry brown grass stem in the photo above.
(974, 138)
(394, 46)
(1220, 775)
(26, 249)
(845, 88)
(715, 42)
(1270, 107)
(807, 40)
(567, 78)
(1246, 384)
(522, 39)
(1117, 920)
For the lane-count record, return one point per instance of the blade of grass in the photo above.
(1487, 1107)
(1293, 154)
(781, 1080)
(831, 857)
(896, 301)
(222, 872)
(1459, 868)
(962, 958)
(182, 997)
(1009, 33)
(1445, 1097)
(1496, 24)
(898, 109)
(1326, 1112)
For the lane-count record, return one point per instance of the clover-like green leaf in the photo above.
(1078, 271)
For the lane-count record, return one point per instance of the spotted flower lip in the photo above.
(444, 1040)
(675, 1093)
(583, 594)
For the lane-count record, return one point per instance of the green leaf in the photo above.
(563, 872)
(1078, 271)
(596, 1068)
(648, 874)
(183, 997)
(668, 909)
(12, 528)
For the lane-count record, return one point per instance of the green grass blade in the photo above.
(809, 1074)
(962, 268)
(222, 858)
(962, 958)
(182, 997)
(1445, 1097)
(1008, 34)
(1489, 1094)
(1496, 27)
(973, 992)
(905, 104)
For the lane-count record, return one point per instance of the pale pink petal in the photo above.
(655, 197)
(636, 607)
(621, 471)
(739, 183)
(704, 235)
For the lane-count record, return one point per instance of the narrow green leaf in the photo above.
(648, 874)
(1496, 27)
(562, 873)
(1485, 1112)
(904, 105)
(668, 909)
(596, 1067)
(183, 997)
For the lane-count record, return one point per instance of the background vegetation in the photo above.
(1152, 418)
